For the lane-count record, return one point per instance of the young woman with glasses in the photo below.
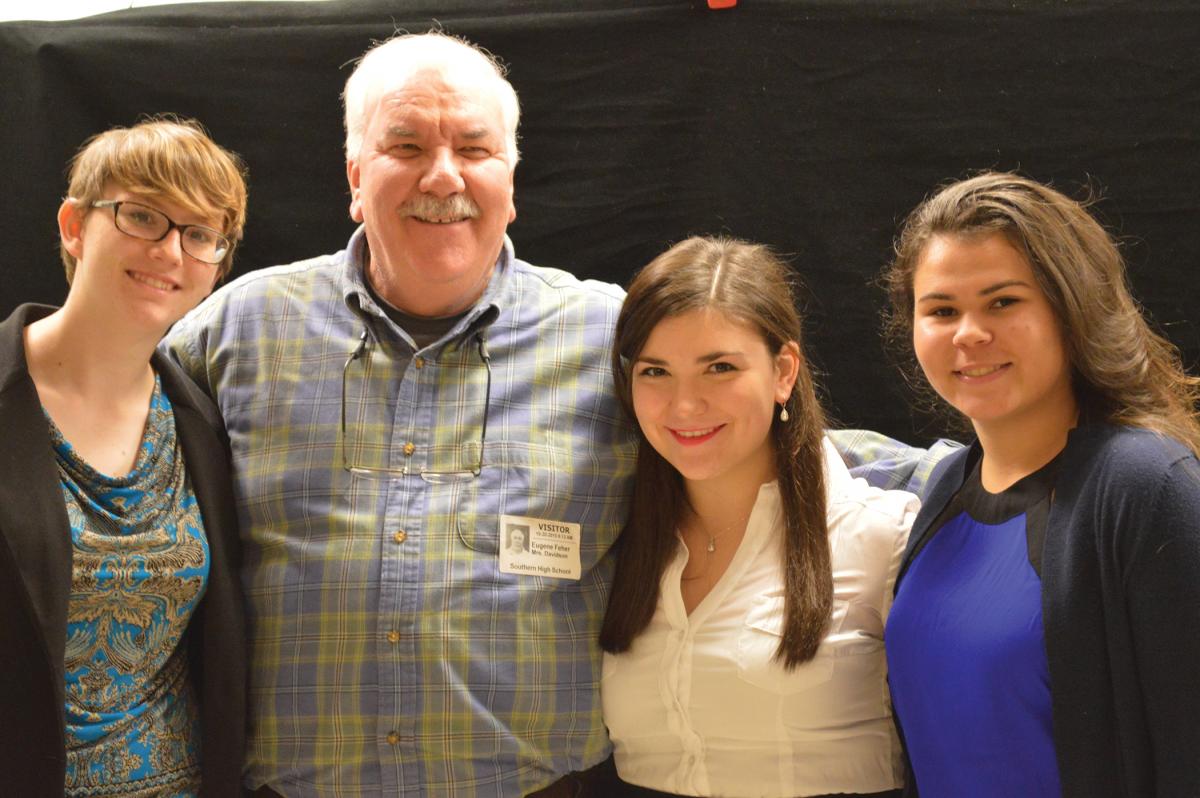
(121, 628)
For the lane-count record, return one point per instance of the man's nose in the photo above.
(443, 177)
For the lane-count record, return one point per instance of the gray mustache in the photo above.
(427, 206)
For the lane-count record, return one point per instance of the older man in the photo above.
(393, 408)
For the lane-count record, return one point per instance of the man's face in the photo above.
(516, 538)
(433, 185)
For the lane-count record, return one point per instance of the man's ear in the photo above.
(70, 227)
(512, 208)
(352, 177)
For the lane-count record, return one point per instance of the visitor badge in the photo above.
(539, 547)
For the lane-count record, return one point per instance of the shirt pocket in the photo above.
(519, 479)
(758, 641)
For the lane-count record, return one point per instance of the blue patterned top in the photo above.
(140, 565)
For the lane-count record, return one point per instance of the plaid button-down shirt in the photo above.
(389, 653)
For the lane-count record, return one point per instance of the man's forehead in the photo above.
(433, 90)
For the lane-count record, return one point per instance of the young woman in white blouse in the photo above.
(744, 631)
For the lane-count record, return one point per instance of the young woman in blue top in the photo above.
(1043, 637)
(121, 630)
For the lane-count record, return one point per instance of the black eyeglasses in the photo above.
(150, 224)
(360, 353)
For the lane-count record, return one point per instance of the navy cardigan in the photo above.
(1121, 610)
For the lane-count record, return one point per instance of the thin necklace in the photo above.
(711, 547)
(740, 523)
(712, 539)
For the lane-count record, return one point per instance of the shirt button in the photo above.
(419, 362)
(393, 636)
(393, 738)
(409, 448)
(400, 536)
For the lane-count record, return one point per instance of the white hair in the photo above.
(392, 62)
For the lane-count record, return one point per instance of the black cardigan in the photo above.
(35, 581)
(1121, 610)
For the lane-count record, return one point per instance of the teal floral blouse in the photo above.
(140, 566)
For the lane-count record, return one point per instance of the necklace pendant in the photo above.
(712, 545)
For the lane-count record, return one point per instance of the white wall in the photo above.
(74, 9)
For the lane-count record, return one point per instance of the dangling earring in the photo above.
(783, 413)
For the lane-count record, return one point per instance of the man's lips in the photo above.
(694, 436)
(446, 210)
(425, 220)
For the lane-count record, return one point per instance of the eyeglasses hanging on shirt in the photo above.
(353, 437)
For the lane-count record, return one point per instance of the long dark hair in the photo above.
(751, 285)
(1122, 371)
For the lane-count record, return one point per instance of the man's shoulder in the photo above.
(891, 464)
(566, 285)
(856, 496)
(256, 307)
(264, 290)
(283, 279)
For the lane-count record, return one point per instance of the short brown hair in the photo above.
(167, 156)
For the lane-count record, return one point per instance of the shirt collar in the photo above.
(838, 481)
(362, 304)
(767, 514)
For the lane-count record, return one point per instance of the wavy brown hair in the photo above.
(749, 284)
(1123, 372)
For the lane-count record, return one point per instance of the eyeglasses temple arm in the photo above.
(481, 336)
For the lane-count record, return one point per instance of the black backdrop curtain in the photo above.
(811, 125)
